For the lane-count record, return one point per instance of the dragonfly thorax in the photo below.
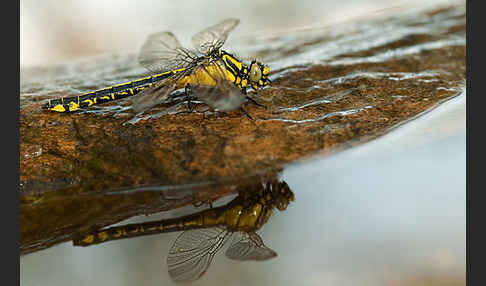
(255, 75)
(247, 218)
(251, 210)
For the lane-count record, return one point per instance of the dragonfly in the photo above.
(206, 73)
(205, 232)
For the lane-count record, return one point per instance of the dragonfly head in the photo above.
(282, 195)
(258, 75)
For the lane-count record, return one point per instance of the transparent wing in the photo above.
(162, 52)
(249, 246)
(222, 95)
(154, 95)
(214, 36)
(192, 252)
(209, 83)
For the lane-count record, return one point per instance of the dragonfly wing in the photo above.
(154, 95)
(192, 252)
(213, 37)
(223, 95)
(162, 52)
(249, 246)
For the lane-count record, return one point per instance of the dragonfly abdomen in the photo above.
(207, 218)
(116, 92)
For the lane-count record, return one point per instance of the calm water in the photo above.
(389, 212)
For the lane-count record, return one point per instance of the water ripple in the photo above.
(322, 117)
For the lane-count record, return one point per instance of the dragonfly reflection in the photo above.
(205, 232)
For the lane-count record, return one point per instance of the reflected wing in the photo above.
(154, 95)
(193, 251)
(214, 36)
(162, 52)
(249, 246)
(223, 95)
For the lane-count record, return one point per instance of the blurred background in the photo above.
(53, 31)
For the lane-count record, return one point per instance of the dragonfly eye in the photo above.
(255, 73)
(281, 203)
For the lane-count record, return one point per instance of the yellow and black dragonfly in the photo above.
(205, 232)
(212, 75)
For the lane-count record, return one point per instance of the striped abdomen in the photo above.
(207, 218)
(234, 216)
(73, 103)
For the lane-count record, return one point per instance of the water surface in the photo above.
(389, 212)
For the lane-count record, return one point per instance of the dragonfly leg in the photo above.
(256, 103)
(201, 203)
(187, 92)
(193, 111)
(246, 113)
